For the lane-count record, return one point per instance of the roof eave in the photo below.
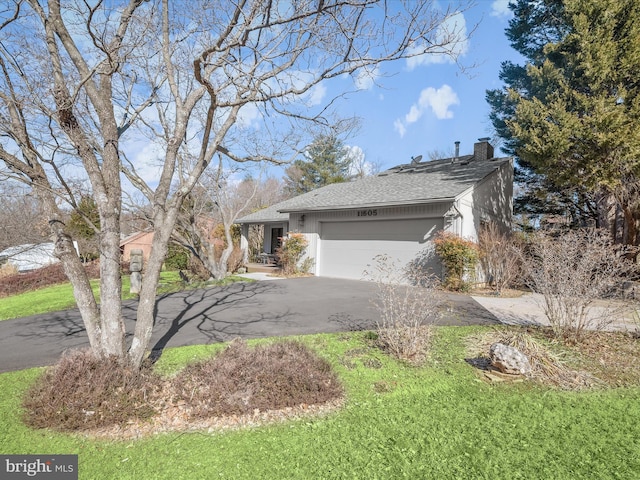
(369, 205)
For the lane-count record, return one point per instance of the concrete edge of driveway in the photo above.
(259, 276)
(528, 309)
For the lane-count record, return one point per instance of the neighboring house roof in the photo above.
(134, 237)
(29, 256)
(426, 182)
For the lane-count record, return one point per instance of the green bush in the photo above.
(291, 252)
(459, 257)
(177, 257)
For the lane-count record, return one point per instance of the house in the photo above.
(396, 212)
(137, 241)
(30, 256)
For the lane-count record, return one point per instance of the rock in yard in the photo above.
(509, 360)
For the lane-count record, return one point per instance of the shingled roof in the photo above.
(409, 184)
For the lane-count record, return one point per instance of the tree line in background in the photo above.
(571, 114)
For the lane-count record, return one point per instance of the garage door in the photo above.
(346, 248)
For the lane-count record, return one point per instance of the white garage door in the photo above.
(346, 248)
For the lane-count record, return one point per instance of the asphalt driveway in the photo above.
(246, 310)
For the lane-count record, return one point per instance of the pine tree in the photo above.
(571, 115)
(325, 161)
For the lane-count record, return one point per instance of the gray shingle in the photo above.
(426, 182)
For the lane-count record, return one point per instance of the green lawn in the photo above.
(439, 421)
(60, 297)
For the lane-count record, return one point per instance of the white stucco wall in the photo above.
(489, 201)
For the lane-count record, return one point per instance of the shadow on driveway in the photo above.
(241, 310)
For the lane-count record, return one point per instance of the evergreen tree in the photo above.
(85, 219)
(84, 225)
(325, 161)
(571, 115)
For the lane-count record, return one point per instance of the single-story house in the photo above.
(396, 212)
(30, 256)
(137, 241)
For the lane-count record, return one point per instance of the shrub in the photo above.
(293, 248)
(459, 257)
(236, 260)
(409, 303)
(572, 272)
(8, 270)
(82, 392)
(40, 278)
(500, 257)
(240, 380)
(177, 257)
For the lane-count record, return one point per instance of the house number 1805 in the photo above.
(367, 213)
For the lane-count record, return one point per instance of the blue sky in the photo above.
(417, 109)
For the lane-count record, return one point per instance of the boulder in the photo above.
(509, 360)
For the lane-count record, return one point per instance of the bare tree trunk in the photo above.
(145, 315)
(82, 291)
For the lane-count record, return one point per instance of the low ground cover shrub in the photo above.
(83, 391)
(42, 277)
(242, 379)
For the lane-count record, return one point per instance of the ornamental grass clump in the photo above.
(500, 257)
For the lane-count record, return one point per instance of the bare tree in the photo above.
(359, 166)
(85, 86)
(21, 217)
(578, 274)
(220, 199)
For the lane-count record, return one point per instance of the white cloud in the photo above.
(500, 8)
(452, 31)
(399, 126)
(438, 101)
(247, 115)
(316, 95)
(147, 158)
(358, 166)
(366, 78)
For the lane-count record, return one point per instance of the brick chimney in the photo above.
(482, 149)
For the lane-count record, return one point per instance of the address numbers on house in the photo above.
(368, 213)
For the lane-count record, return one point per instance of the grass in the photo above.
(60, 297)
(437, 421)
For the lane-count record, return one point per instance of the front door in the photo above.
(276, 239)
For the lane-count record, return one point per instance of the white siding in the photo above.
(489, 201)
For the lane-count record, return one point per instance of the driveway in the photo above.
(246, 310)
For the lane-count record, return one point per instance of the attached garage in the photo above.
(348, 248)
(396, 212)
